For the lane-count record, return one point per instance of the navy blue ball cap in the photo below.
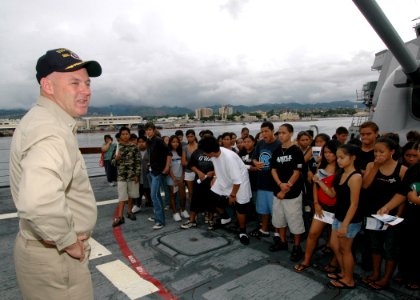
(64, 60)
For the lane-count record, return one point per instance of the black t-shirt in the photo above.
(285, 161)
(365, 157)
(247, 159)
(412, 211)
(201, 162)
(158, 155)
(362, 159)
(382, 189)
(263, 153)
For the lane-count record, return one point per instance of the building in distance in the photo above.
(203, 112)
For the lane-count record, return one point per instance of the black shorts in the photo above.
(222, 201)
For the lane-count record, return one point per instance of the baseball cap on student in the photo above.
(64, 60)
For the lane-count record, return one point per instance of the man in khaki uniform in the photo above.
(50, 185)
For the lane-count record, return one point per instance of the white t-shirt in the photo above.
(231, 170)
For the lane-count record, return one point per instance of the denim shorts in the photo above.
(352, 229)
(264, 202)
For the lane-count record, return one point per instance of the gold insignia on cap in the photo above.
(74, 65)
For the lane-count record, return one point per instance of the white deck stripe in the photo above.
(8, 216)
(14, 215)
(106, 202)
(97, 250)
(126, 280)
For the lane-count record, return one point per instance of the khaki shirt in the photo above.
(48, 177)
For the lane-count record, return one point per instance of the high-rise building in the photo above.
(225, 111)
(203, 112)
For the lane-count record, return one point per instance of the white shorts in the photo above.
(288, 212)
(189, 176)
(128, 189)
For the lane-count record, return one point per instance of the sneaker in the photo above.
(188, 225)
(131, 216)
(151, 219)
(185, 214)
(297, 254)
(135, 209)
(259, 234)
(225, 221)
(118, 221)
(278, 245)
(177, 217)
(157, 226)
(244, 238)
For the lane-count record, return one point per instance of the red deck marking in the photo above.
(136, 265)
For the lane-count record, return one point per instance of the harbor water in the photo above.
(327, 126)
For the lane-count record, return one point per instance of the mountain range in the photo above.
(132, 110)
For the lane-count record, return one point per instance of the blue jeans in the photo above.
(155, 183)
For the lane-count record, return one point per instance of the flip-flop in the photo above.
(331, 269)
(334, 276)
(300, 268)
(342, 285)
(376, 287)
(366, 281)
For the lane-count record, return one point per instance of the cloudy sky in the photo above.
(199, 52)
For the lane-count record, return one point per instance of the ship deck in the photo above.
(136, 262)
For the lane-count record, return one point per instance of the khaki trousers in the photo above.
(45, 273)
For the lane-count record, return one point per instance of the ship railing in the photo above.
(90, 155)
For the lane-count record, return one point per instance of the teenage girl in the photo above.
(246, 155)
(409, 154)
(409, 264)
(319, 141)
(347, 222)
(322, 202)
(304, 140)
(187, 151)
(175, 180)
(382, 180)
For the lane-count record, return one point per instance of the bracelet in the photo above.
(233, 196)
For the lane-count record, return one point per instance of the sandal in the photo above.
(334, 276)
(300, 268)
(367, 281)
(341, 285)
(331, 269)
(377, 287)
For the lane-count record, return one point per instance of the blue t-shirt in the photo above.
(263, 153)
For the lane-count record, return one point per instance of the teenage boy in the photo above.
(128, 169)
(286, 164)
(368, 134)
(159, 167)
(265, 182)
(144, 187)
(341, 134)
(231, 184)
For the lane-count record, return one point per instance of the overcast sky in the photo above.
(199, 52)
